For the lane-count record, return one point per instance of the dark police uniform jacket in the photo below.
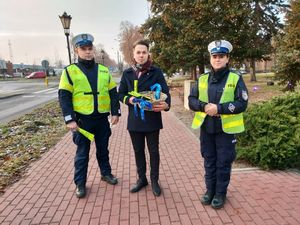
(153, 120)
(216, 84)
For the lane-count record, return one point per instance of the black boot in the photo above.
(218, 201)
(111, 179)
(80, 191)
(155, 188)
(139, 185)
(207, 198)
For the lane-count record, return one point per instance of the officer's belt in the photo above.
(91, 93)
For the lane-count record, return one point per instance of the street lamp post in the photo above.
(66, 22)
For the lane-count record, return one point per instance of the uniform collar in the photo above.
(220, 74)
(88, 64)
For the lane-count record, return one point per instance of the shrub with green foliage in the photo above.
(272, 136)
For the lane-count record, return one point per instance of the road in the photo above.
(18, 98)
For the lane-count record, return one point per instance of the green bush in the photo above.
(272, 136)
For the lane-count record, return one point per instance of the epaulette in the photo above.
(237, 72)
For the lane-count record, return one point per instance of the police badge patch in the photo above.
(84, 36)
(245, 95)
(231, 107)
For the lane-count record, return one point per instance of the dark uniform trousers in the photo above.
(218, 151)
(100, 127)
(138, 141)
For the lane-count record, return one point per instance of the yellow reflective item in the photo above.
(135, 94)
(87, 134)
(135, 84)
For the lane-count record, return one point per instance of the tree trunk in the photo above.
(193, 73)
(201, 65)
(252, 71)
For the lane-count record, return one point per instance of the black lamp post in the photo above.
(66, 22)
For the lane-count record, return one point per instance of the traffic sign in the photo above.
(45, 64)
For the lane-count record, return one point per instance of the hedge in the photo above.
(272, 136)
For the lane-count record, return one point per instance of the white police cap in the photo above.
(82, 40)
(219, 47)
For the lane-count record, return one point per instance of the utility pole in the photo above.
(10, 51)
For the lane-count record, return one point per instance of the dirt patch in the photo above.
(25, 139)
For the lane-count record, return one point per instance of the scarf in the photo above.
(141, 69)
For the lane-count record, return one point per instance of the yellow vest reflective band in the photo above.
(231, 123)
(83, 98)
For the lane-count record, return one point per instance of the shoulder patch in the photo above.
(245, 95)
(231, 107)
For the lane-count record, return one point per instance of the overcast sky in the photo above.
(36, 33)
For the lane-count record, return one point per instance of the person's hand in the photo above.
(160, 106)
(131, 100)
(114, 120)
(72, 126)
(211, 109)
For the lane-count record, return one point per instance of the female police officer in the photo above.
(87, 94)
(219, 98)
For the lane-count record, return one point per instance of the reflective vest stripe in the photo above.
(124, 99)
(198, 119)
(203, 96)
(64, 83)
(231, 123)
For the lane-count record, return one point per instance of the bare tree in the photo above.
(102, 57)
(127, 36)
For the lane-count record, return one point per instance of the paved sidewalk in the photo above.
(46, 194)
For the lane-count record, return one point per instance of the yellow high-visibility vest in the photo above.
(231, 123)
(83, 98)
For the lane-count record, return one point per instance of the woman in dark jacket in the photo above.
(140, 77)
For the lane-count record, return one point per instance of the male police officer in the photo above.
(87, 94)
(219, 98)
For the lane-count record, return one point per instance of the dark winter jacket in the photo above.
(153, 120)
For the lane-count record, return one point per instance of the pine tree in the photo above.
(182, 29)
(288, 49)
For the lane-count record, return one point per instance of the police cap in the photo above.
(219, 47)
(82, 40)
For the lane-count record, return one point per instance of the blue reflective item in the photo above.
(142, 111)
(143, 104)
(157, 89)
(135, 101)
(136, 114)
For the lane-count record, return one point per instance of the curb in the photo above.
(10, 96)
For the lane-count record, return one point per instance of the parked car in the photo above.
(39, 74)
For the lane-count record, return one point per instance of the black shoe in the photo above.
(218, 201)
(80, 191)
(111, 179)
(139, 185)
(155, 188)
(207, 198)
